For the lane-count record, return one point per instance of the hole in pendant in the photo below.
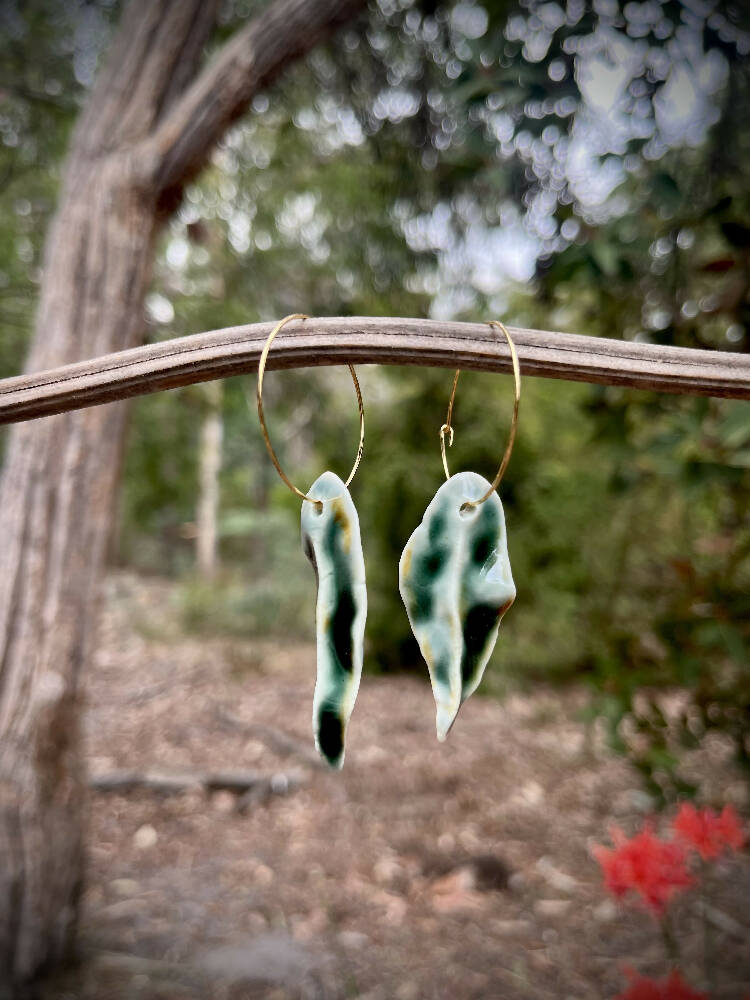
(318, 507)
(467, 509)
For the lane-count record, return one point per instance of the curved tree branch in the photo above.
(249, 61)
(330, 341)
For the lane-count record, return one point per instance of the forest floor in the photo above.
(420, 872)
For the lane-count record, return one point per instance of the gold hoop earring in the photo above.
(448, 429)
(454, 573)
(331, 541)
(262, 418)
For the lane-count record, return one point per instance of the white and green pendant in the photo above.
(331, 541)
(456, 583)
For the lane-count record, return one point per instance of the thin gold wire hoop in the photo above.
(261, 417)
(448, 429)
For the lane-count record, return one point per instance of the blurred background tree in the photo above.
(575, 168)
(581, 167)
(155, 112)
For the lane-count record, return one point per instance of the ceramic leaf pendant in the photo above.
(456, 583)
(331, 540)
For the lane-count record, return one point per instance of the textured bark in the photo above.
(58, 484)
(207, 515)
(252, 59)
(380, 340)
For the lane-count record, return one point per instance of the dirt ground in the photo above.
(420, 872)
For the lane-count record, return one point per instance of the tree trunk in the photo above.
(206, 521)
(149, 125)
(57, 490)
(55, 501)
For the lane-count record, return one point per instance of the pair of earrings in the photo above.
(454, 577)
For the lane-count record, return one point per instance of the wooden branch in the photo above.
(279, 742)
(284, 31)
(168, 783)
(155, 52)
(363, 340)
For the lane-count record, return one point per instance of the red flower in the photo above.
(708, 833)
(652, 867)
(673, 987)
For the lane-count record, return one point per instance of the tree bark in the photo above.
(58, 486)
(128, 159)
(207, 515)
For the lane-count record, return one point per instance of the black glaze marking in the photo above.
(432, 562)
(307, 548)
(441, 670)
(481, 548)
(481, 619)
(479, 623)
(483, 539)
(341, 629)
(421, 605)
(436, 526)
(427, 567)
(330, 733)
(344, 608)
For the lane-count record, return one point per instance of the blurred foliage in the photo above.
(264, 589)
(581, 167)
(48, 56)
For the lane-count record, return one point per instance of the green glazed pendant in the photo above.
(455, 581)
(331, 541)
